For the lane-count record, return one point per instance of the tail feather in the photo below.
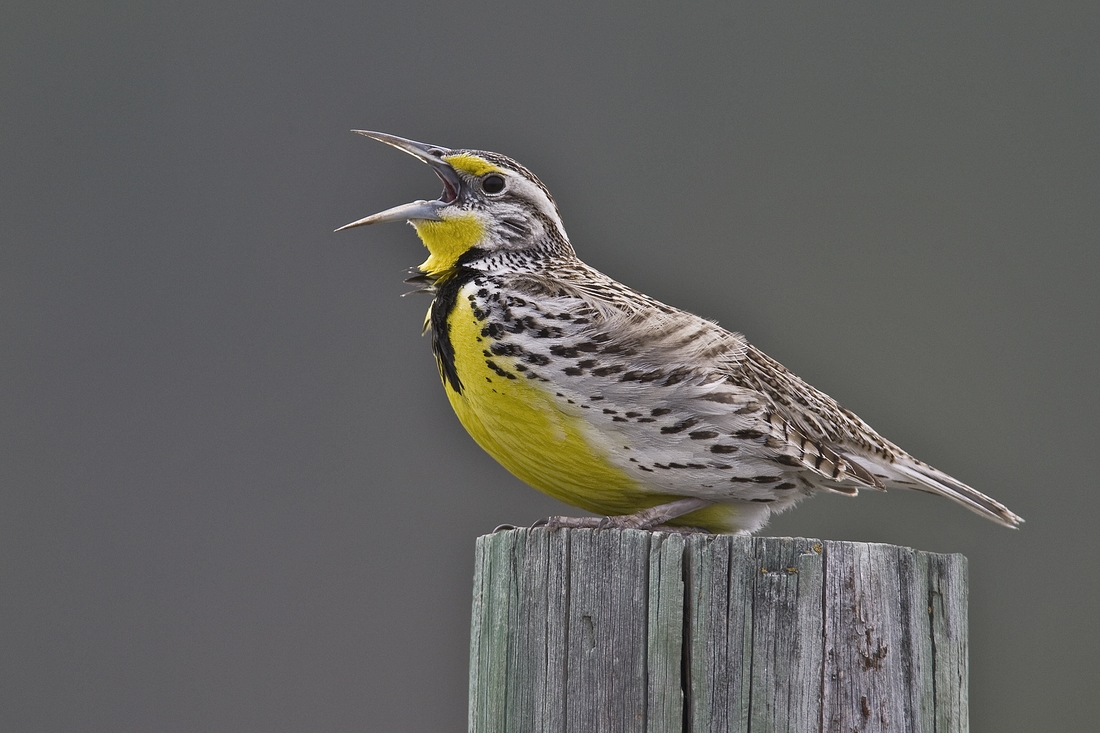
(922, 477)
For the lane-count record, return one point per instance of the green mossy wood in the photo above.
(626, 630)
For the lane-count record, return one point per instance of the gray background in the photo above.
(233, 495)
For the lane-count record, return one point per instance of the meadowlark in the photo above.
(609, 400)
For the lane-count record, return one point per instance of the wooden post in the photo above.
(623, 630)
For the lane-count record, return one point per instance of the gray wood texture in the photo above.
(585, 630)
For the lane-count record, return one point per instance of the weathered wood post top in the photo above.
(612, 630)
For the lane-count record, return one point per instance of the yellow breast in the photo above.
(521, 426)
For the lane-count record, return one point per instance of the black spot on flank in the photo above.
(643, 377)
(720, 466)
(521, 324)
(520, 368)
(646, 419)
(763, 501)
(605, 371)
(558, 394)
(633, 460)
(483, 293)
(588, 347)
(610, 412)
(703, 435)
(582, 322)
(648, 470)
(676, 465)
(596, 398)
(619, 419)
(695, 465)
(676, 377)
(573, 371)
(493, 330)
(537, 359)
(569, 401)
(787, 460)
(660, 465)
(502, 349)
(567, 352)
(585, 407)
(773, 442)
(500, 372)
(680, 426)
(587, 363)
(785, 485)
(724, 398)
(723, 449)
(659, 411)
(633, 414)
(748, 434)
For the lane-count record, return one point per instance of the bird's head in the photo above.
(491, 208)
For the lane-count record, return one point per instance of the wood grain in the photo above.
(627, 630)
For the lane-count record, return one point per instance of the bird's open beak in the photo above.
(433, 156)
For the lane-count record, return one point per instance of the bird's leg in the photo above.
(650, 518)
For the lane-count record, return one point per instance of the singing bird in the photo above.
(609, 400)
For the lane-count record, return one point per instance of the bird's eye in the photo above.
(492, 183)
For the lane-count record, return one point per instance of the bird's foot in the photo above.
(571, 522)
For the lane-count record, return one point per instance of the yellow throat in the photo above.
(447, 240)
